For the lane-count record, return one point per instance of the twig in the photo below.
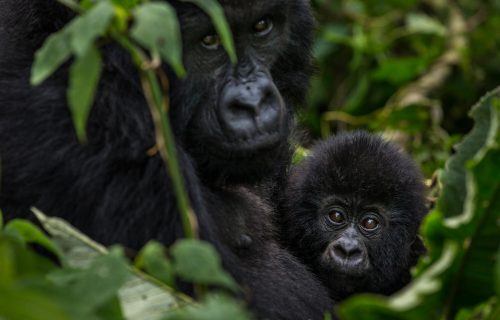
(158, 103)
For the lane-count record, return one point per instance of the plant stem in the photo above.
(158, 106)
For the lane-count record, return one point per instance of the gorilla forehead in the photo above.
(237, 10)
(241, 8)
(364, 165)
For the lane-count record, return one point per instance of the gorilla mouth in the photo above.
(250, 146)
(347, 267)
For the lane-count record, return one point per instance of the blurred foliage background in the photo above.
(409, 69)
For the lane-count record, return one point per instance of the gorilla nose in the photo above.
(251, 109)
(347, 251)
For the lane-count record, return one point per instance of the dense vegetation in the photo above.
(410, 70)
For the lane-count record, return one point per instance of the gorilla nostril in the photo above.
(339, 251)
(345, 252)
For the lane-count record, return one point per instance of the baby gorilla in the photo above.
(351, 211)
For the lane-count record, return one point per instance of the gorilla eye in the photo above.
(211, 41)
(337, 217)
(263, 27)
(369, 223)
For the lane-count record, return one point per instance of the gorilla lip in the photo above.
(251, 146)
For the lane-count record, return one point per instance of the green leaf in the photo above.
(422, 23)
(451, 202)
(216, 14)
(92, 290)
(300, 154)
(152, 259)
(54, 52)
(497, 275)
(127, 4)
(142, 297)
(26, 304)
(18, 260)
(30, 233)
(215, 307)
(397, 71)
(157, 28)
(199, 262)
(7, 267)
(83, 80)
(1, 219)
(478, 230)
(89, 26)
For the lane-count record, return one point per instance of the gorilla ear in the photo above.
(417, 249)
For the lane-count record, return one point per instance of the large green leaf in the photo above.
(216, 14)
(452, 199)
(156, 27)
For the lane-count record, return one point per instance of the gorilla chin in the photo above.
(244, 162)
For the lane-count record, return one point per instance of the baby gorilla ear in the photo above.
(417, 249)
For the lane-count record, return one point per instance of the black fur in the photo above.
(367, 174)
(113, 191)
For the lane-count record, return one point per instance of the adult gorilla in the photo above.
(231, 126)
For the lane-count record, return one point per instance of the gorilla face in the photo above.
(240, 114)
(352, 210)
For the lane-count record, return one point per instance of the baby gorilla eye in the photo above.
(370, 223)
(336, 216)
(211, 41)
(263, 27)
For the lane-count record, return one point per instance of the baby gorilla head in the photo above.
(351, 211)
